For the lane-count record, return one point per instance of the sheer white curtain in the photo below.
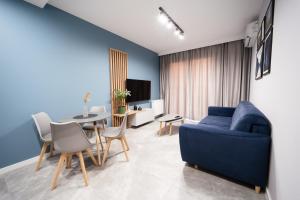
(191, 81)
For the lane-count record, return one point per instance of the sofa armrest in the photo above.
(221, 111)
(240, 155)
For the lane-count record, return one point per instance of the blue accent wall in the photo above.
(48, 60)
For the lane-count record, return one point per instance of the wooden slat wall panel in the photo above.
(118, 74)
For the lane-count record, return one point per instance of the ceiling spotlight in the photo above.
(176, 32)
(169, 25)
(167, 20)
(181, 36)
(162, 18)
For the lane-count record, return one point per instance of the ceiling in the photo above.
(205, 22)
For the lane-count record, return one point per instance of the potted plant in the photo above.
(120, 96)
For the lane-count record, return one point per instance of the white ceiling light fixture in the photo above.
(165, 18)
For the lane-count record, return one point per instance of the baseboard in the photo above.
(268, 196)
(18, 165)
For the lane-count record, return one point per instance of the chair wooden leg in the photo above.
(103, 125)
(69, 161)
(98, 142)
(107, 150)
(257, 189)
(58, 170)
(82, 165)
(44, 148)
(170, 131)
(92, 157)
(124, 148)
(51, 149)
(101, 143)
(125, 140)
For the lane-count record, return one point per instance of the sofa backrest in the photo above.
(248, 118)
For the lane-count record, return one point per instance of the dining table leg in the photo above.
(160, 129)
(97, 143)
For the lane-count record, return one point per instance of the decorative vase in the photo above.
(121, 109)
(85, 111)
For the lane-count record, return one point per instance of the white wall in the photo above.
(278, 96)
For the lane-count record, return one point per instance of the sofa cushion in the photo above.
(248, 118)
(219, 121)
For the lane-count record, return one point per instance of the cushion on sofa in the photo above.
(223, 122)
(248, 118)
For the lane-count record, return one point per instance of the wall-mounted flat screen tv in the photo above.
(140, 90)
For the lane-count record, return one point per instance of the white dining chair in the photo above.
(69, 139)
(42, 122)
(100, 124)
(116, 133)
(89, 128)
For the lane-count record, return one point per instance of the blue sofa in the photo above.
(234, 142)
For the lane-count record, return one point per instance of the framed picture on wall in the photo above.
(267, 53)
(269, 18)
(260, 35)
(259, 62)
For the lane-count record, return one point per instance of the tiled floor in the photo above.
(155, 171)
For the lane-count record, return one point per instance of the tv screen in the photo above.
(140, 90)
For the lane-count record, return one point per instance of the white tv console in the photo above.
(141, 117)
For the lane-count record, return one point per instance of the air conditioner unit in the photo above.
(251, 34)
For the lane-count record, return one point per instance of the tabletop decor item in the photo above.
(120, 96)
(86, 99)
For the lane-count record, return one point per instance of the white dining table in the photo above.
(92, 118)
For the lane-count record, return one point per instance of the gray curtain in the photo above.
(218, 75)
